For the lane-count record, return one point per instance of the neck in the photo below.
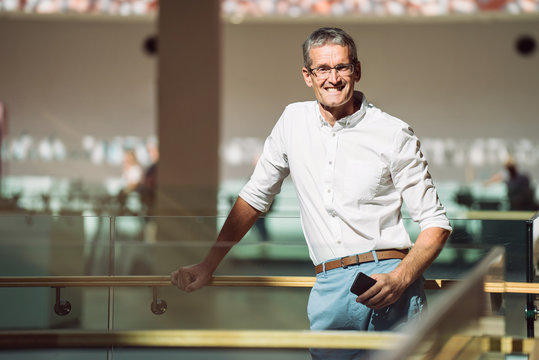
(334, 114)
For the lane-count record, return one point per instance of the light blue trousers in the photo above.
(333, 307)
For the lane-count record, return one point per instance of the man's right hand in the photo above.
(192, 277)
(239, 221)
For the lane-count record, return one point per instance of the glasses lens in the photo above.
(322, 72)
(343, 70)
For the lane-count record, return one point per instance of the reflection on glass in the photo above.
(142, 246)
(53, 246)
(456, 322)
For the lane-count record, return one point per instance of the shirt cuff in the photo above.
(260, 203)
(439, 223)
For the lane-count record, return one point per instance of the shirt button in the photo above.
(329, 190)
(331, 162)
(333, 134)
(339, 242)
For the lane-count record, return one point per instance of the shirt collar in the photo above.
(350, 120)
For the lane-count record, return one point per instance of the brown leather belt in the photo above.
(361, 258)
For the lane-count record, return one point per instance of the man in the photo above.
(352, 166)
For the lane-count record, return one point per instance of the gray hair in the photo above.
(328, 35)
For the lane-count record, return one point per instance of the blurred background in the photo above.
(81, 122)
(127, 128)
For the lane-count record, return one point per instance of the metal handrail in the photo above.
(240, 281)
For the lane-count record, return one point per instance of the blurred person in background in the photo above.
(132, 172)
(520, 191)
(149, 182)
(353, 166)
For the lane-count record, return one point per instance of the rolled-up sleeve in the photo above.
(412, 180)
(270, 171)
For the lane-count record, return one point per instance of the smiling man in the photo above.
(352, 166)
(334, 90)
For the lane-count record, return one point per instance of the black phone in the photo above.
(362, 283)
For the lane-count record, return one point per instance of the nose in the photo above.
(333, 75)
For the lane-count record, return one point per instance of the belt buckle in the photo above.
(346, 266)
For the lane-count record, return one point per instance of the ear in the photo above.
(307, 77)
(357, 72)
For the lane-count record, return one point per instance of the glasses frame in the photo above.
(313, 71)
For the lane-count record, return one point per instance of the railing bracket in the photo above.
(531, 313)
(159, 306)
(61, 307)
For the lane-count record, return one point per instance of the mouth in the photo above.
(334, 89)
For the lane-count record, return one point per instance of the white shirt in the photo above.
(350, 179)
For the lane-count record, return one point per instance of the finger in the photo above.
(192, 287)
(185, 279)
(374, 303)
(174, 278)
(198, 283)
(374, 298)
(380, 301)
(369, 294)
(380, 305)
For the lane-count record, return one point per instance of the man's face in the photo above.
(337, 90)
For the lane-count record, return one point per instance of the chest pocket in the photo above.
(362, 179)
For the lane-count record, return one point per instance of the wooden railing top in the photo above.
(291, 339)
(253, 339)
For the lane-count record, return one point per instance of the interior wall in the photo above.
(70, 78)
(453, 82)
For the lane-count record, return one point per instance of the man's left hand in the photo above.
(387, 290)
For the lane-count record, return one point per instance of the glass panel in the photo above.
(34, 308)
(456, 322)
(53, 246)
(66, 246)
(159, 245)
(283, 253)
(227, 308)
(55, 354)
(204, 354)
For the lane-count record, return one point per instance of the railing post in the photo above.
(112, 238)
(530, 311)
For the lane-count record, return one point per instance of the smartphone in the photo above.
(362, 283)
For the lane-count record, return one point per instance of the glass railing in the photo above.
(462, 321)
(457, 320)
(111, 274)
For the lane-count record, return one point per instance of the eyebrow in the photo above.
(325, 65)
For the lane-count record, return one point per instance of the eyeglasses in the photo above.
(323, 72)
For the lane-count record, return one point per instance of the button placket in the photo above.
(331, 151)
(327, 166)
(331, 157)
